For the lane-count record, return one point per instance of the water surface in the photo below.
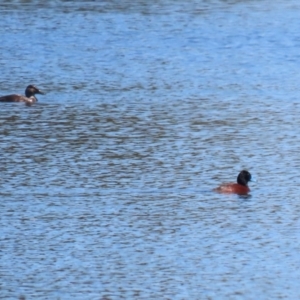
(106, 183)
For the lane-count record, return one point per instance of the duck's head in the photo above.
(31, 90)
(244, 177)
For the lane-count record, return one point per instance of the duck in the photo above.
(29, 98)
(240, 188)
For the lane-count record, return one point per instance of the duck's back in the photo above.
(14, 98)
(233, 188)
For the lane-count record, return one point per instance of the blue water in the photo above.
(106, 183)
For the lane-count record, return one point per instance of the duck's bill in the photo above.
(40, 92)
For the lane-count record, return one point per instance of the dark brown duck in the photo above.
(29, 97)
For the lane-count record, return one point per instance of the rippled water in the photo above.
(106, 183)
